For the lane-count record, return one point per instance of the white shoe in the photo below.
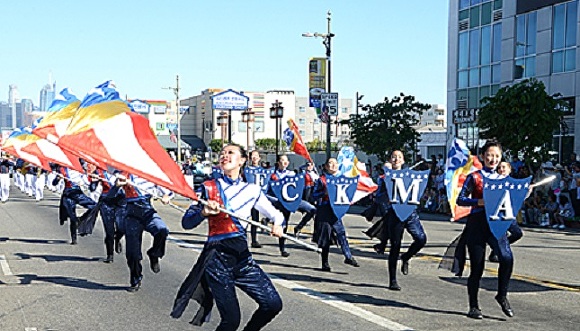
(555, 226)
(562, 226)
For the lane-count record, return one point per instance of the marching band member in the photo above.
(478, 233)
(5, 166)
(327, 226)
(40, 183)
(310, 177)
(72, 195)
(254, 164)
(141, 216)
(111, 207)
(396, 226)
(226, 262)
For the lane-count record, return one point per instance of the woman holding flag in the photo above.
(226, 262)
(477, 233)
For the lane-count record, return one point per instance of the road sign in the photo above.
(330, 100)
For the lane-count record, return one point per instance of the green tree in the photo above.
(387, 126)
(216, 145)
(266, 144)
(523, 118)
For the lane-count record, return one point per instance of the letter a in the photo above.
(504, 205)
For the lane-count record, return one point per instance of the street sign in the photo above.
(330, 100)
(230, 100)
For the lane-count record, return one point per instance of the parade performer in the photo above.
(30, 179)
(5, 166)
(252, 171)
(39, 184)
(478, 233)
(141, 216)
(111, 206)
(72, 195)
(226, 262)
(310, 177)
(327, 226)
(396, 227)
(380, 207)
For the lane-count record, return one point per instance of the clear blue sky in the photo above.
(381, 47)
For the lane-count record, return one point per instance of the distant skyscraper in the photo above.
(47, 96)
(13, 98)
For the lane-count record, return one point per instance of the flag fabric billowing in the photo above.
(19, 140)
(349, 166)
(294, 140)
(51, 152)
(460, 163)
(105, 130)
(60, 113)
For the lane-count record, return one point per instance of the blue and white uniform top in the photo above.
(239, 197)
(139, 189)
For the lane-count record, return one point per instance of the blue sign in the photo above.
(139, 106)
(171, 126)
(503, 200)
(230, 100)
(405, 188)
(258, 176)
(341, 190)
(289, 190)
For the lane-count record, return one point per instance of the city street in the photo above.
(47, 284)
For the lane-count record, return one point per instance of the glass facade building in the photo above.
(496, 43)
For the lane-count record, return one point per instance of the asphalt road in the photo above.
(47, 284)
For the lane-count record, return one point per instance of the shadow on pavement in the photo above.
(69, 282)
(490, 284)
(57, 258)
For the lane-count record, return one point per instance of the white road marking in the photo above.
(4, 265)
(342, 305)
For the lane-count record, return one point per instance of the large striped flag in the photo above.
(60, 113)
(294, 140)
(17, 141)
(349, 165)
(460, 163)
(105, 130)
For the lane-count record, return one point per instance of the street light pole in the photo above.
(327, 39)
(277, 112)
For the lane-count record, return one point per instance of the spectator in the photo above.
(549, 210)
(516, 164)
(440, 162)
(443, 202)
(566, 212)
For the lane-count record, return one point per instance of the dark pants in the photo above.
(328, 228)
(254, 229)
(396, 227)
(141, 217)
(223, 274)
(478, 235)
(111, 215)
(71, 199)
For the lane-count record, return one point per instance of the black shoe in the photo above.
(134, 288)
(256, 244)
(493, 258)
(109, 259)
(284, 254)
(405, 267)
(118, 246)
(505, 306)
(326, 267)
(62, 221)
(154, 263)
(475, 312)
(73, 242)
(394, 286)
(352, 262)
(379, 249)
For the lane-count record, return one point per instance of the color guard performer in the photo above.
(5, 167)
(226, 262)
(478, 233)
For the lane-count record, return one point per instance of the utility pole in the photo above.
(177, 120)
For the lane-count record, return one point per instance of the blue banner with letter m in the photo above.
(405, 188)
(503, 200)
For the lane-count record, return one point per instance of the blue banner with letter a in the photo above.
(503, 200)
